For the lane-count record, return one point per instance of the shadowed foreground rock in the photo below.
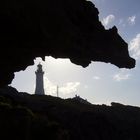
(58, 28)
(32, 117)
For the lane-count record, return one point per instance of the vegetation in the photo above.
(32, 117)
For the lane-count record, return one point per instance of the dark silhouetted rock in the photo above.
(33, 117)
(59, 28)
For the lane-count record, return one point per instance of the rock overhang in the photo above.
(61, 29)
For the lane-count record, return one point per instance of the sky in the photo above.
(99, 83)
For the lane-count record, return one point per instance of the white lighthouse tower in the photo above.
(39, 90)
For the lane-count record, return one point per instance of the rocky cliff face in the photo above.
(59, 28)
(33, 117)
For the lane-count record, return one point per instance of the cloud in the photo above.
(122, 75)
(132, 20)
(50, 87)
(86, 86)
(122, 22)
(69, 87)
(119, 77)
(96, 78)
(108, 20)
(134, 47)
(129, 21)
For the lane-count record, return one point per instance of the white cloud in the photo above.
(122, 75)
(108, 20)
(119, 77)
(132, 20)
(51, 88)
(69, 87)
(96, 78)
(86, 86)
(134, 47)
(122, 22)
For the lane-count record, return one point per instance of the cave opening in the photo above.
(58, 73)
(91, 83)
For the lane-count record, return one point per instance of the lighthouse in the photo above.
(39, 90)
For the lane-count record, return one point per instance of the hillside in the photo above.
(31, 117)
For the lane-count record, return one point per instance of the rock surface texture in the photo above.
(33, 117)
(59, 28)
